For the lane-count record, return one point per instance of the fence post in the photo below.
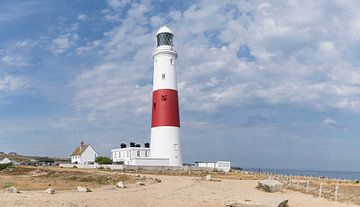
(321, 190)
(307, 186)
(297, 184)
(189, 172)
(336, 192)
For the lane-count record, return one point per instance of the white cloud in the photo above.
(10, 83)
(14, 61)
(82, 17)
(329, 121)
(65, 41)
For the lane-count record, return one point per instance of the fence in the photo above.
(332, 189)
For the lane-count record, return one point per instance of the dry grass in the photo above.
(202, 173)
(33, 178)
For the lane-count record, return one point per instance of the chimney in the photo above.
(81, 144)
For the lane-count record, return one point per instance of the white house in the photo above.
(136, 155)
(218, 165)
(83, 154)
(7, 161)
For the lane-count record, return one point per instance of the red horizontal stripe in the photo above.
(165, 108)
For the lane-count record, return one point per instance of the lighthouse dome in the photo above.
(164, 29)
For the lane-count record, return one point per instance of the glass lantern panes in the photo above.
(164, 39)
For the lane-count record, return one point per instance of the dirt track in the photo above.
(172, 191)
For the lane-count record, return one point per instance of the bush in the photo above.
(103, 160)
(4, 166)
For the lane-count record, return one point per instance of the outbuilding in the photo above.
(8, 161)
(217, 165)
(83, 154)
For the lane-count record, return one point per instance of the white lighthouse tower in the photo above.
(165, 125)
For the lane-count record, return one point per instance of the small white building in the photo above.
(218, 165)
(83, 154)
(136, 155)
(7, 161)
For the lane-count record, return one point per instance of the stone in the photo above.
(11, 189)
(208, 177)
(120, 185)
(284, 204)
(270, 185)
(141, 184)
(83, 189)
(50, 191)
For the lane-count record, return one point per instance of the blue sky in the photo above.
(263, 85)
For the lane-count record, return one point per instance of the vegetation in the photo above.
(5, 166)
(103, 160)
(7, 184)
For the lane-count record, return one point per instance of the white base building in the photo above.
(139, 156)
(224, 166)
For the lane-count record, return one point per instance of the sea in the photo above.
(313, 173)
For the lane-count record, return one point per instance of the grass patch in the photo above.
(7, 185)
(87, 179)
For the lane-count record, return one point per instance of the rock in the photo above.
(141, 184)
(208, 177)
(284, 204)
(120, 185)
(270, 185)
(83, 189)
(157, 180)
(50, 191)
(11, 189)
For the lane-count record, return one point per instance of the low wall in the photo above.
(137, 167)
(92, 166)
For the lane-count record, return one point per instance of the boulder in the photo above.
(11, 189)
(270, 185)
(120, 185)
(284, 204)
(208, 177)
(50, 191)
(83, 189)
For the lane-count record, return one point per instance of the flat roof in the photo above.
(127, 148)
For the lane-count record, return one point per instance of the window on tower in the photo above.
(171, 61)
(163, 97)
(163, 76)
(164, 39)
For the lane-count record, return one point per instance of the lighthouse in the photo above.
(165, 123)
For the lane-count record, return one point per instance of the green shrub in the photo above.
(103, 160)
(7, 185)
(5, 166)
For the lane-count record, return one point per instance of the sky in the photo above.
(265, 84)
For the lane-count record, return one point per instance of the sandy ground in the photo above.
(172, 191)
